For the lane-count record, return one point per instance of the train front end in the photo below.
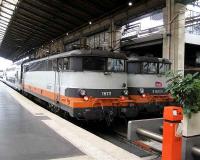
(147, 83)
(97, 87)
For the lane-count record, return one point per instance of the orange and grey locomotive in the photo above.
(147, 82)
(87, 84)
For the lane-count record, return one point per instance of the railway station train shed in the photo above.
(99, 79)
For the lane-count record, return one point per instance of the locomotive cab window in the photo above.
(93, 63)
(116, 65)
(164, 67)
(134, 67)
(149, 68)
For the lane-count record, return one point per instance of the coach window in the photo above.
(65, 64)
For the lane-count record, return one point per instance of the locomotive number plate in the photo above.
(156, 91)
(106, 93)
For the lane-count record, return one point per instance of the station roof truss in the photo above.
(34, 22)
(7, 8)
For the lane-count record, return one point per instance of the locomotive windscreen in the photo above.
(103, 64)
(115, 65)
(148, 67)
(94, 63)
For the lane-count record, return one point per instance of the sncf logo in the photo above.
(158, 84)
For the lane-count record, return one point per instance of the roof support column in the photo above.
(174, 39)
(114, 35)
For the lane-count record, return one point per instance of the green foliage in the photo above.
(186, 91)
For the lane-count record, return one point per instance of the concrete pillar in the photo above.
(174, 49)
(114, 37)
(174, 37)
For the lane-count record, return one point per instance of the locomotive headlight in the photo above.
(82, 92)
(141, 90)
(86, 98)
(125, 92)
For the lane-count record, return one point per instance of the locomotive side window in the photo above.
(42, 66)
(65, 64)
(145, 67)
(75, 63)
(54, 64)
(50, 65)
(38, 66)
(94, 63)
(33, 66)
(134, 67)
(115, 65)
(26, 68)
(60, 64)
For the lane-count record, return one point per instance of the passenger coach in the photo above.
(12, 76)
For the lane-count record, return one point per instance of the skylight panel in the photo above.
(7, 8)
(5, 15)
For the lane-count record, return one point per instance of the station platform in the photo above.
(29, 132)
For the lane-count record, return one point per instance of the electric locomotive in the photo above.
(87, 84)
(147, 83)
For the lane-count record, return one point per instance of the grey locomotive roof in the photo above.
(84, 52)
(147, 59)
